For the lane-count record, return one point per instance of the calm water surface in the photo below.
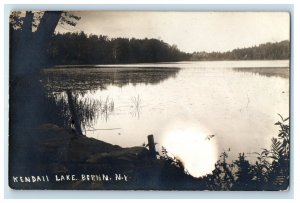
(183, 103)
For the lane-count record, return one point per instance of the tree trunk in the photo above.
(27, 23)
(47, 26)
(29, 57)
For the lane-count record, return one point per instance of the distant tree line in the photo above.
(267, 51)
(80, 48)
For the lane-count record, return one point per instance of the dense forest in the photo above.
(78, 48)
(267, 51)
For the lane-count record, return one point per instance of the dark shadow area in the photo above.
(55, 152)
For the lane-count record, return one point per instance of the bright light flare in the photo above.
(191, 145)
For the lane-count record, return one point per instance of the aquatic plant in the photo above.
(106, 107)
(136, 106)
(88, 110)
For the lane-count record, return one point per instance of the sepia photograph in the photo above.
(149, 100)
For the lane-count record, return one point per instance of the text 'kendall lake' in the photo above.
(196, 110)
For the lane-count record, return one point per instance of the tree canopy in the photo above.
(30, 33)
(267, 51)
(79, 48)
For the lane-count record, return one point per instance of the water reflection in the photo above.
(267, 71)
(80, 81)
(83, 79)
(238, 105)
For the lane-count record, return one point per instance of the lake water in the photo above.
(196, 110)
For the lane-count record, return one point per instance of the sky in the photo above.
(190, 31)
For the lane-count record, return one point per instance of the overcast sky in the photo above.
(190, 31)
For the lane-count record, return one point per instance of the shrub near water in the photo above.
(269, 172)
